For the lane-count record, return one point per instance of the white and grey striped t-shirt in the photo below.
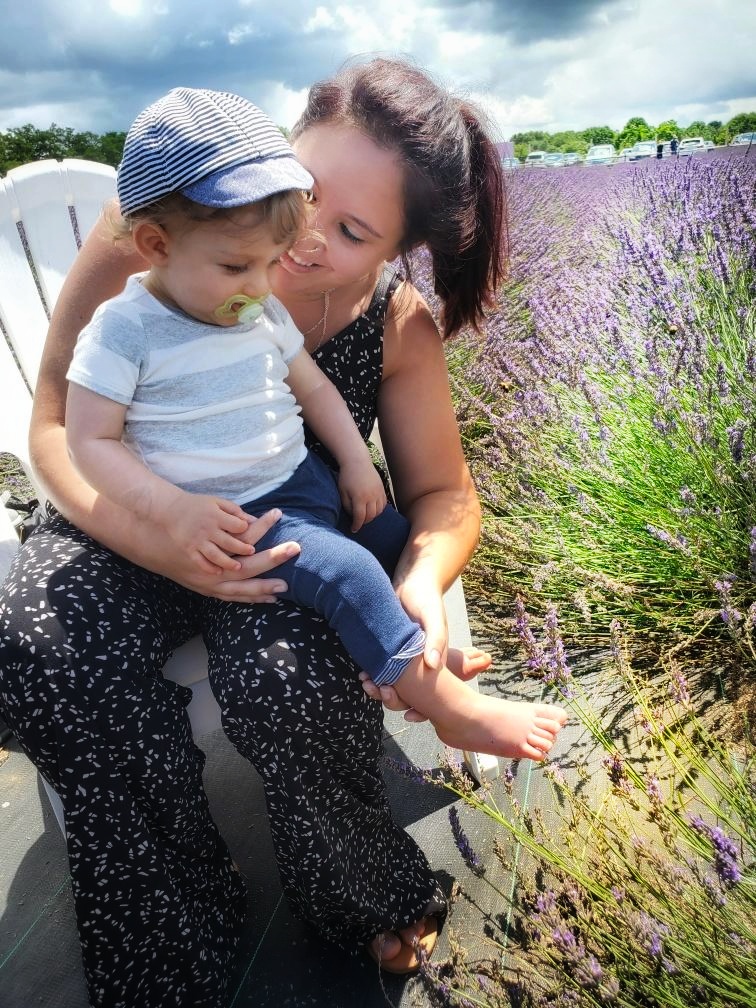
(208, 406)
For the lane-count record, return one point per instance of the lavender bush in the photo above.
(643, 893)
(608, 413)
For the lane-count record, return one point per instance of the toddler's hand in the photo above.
(209, 529)
(362, 492)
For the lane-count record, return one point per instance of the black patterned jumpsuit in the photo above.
(84, 635)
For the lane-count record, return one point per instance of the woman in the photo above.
(86, 628)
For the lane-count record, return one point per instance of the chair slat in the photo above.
(21, 312)
(40, 201)
(39, 195)
(15, 411)
(89, 187)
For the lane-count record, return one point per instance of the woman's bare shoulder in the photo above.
(410, 333)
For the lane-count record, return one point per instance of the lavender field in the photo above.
(608, 412)
(608, 417)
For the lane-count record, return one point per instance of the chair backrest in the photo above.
(46, 209)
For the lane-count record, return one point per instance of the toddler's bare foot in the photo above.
(467, 662)
(516, 730)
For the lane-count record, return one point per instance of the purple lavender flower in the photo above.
(585, 968)
(678, 542)
(534, 651)
(557, 671)
(464, 846)
(615, 768)
(735, 440)
(678, 687)
(730, 616)
(725, 851)
(653, 790)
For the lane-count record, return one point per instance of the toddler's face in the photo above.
(218, 270)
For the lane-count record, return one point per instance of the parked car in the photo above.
(691, 144)
(743, 139)
(536, 159)
(554, 160)
(624, 154)
(510, 163)
(601, 154)
(572, 157)
(642, 149)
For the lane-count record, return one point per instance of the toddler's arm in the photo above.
(328, 416)
(206, 527)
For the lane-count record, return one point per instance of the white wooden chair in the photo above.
(46, 210)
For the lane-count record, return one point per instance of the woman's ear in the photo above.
(151, 241)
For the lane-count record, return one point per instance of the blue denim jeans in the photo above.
(343, 576)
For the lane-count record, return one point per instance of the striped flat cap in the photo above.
(216, 148)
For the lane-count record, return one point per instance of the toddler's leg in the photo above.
(465, 719)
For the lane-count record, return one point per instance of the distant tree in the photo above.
(599, 135)
(23, 144)
(667, 130)
(696, 129)
(532, 140)
(111, 148)
(744, 122)
(635, 129)
(568, 140)
(716, 132)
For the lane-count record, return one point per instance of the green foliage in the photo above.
(667, 130)
(23, 144)
(599, 135)
(697, 128)
(635, 129)
(744, 122)
(566, 140)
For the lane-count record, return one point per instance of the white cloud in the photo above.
(322, 18)
(576, 65)
(241, 33)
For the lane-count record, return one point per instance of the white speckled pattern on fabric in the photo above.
(83, 638)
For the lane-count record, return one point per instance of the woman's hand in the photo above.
(424, 603)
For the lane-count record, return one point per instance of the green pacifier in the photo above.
(241, 307)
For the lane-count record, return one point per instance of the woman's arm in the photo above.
(431, 480)
(99, 272)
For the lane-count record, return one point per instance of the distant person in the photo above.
(673, 146)
(659, 150)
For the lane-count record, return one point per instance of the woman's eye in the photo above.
(349, 235)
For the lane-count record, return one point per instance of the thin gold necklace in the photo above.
(322, 321)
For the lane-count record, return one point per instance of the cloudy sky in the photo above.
(534, 64)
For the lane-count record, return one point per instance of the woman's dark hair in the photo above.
(454, 201)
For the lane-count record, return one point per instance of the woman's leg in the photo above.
(293, 705)
(83, 638)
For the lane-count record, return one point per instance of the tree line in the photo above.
(23, 144)
(635, 129)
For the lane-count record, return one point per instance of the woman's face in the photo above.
(357, 212)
